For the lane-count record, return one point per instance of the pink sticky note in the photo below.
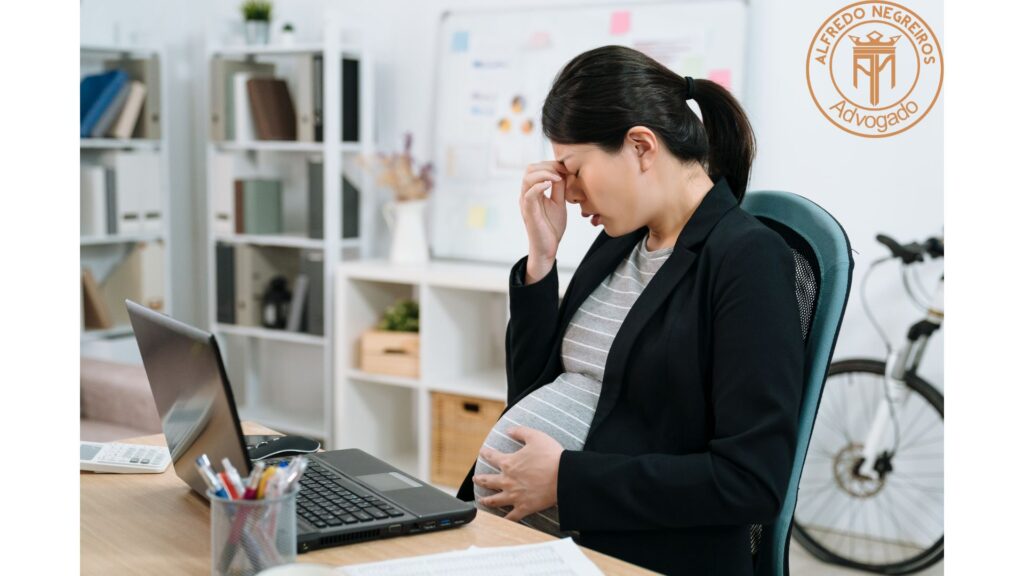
(722, 77)
(620, 22)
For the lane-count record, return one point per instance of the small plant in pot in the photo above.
(257, 21)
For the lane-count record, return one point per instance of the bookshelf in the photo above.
(283, 378)
(107, 244)
(464, 311)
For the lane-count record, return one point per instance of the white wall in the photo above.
(891, 185)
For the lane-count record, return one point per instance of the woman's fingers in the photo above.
(539, 176)
(497, 500)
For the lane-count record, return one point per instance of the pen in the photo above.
(203, 464)
(236, 479)
(254, 481)
(229, 486)
(267, 474)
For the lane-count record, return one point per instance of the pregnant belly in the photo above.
(563, 410)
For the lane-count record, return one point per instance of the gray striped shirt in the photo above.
(564, 408)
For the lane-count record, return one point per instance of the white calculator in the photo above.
(124, 458)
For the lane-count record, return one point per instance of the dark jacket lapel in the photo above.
(715, 204)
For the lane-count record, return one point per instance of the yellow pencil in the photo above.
(263, 480)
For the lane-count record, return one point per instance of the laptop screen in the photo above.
(191, 392)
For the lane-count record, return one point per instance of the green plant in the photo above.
(256, 10)
(403, 316)
(287, 27)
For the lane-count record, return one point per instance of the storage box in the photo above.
(460, 425)
(394, 353)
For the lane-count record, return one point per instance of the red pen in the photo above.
(252, 487)
(229, 485)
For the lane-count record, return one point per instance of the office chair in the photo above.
(823, 266)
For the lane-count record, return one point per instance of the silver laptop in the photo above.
(345, 496)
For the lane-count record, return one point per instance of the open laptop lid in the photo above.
(193, 397)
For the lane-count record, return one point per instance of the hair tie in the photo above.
(690, 87)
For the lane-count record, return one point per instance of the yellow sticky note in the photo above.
(477, 217)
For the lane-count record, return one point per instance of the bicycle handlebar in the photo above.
(913, 252)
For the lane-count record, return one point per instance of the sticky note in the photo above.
(477, 217)
(460, 41)
(620, 22)
(722, 77)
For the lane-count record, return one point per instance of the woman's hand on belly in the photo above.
(529, 476)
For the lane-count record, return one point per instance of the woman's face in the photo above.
(604, 185)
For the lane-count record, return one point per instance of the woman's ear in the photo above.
(642, 145)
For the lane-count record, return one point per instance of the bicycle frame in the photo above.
(897, 364)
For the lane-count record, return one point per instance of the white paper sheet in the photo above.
(556, 558)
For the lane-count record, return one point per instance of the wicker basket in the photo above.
(460, 425)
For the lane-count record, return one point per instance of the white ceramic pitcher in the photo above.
(407, 221)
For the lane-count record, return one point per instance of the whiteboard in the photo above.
(495, 69)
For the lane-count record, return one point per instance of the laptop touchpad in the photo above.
(389, 481)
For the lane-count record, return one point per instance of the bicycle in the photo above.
(871, 492)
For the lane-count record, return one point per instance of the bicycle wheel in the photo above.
(892, 524)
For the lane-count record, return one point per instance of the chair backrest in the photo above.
(823, 266)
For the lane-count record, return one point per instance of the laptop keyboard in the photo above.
(325, 501)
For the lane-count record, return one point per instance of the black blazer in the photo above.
(694, 434)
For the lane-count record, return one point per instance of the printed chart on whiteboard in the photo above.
(495, 70)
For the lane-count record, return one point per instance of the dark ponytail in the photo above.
(602, 93)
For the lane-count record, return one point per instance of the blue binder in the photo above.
(97, 91)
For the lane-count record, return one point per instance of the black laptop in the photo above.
(345, 496)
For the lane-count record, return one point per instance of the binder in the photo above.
(225, 279)
(305, 130)
(242, 116)
(94, 201)
(258, 206)
(313, 268)
(222, 190)
(315, 204)
(111, 188)
(297, 309)
(151, 278)
(349, 100)
(138, 192)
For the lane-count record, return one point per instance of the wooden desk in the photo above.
(154, 524)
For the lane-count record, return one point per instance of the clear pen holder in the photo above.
(248, 536)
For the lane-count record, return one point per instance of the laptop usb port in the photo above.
(445, 522)
(428, 525)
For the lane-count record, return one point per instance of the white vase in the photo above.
(257, 32)
(407, 221)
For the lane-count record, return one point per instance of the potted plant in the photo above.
(405, 215)
(287, 34)
(393, 347)
(257, 21)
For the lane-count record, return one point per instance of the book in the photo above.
(138, 192)
(111, 113)
(96, 93)
(93, 191)
(94, 309)
(349, 100)
(124, 126)
(147, 72)
(225, 279)
(258, 206)
(318, 98)
(273, 112)
(222, 73)
(297, 309)
(312, 267)
(222, 192)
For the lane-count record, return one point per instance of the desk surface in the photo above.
(153, 524)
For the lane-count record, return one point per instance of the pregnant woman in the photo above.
(652, 414)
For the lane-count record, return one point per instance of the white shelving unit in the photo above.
(463, 315)
(283, 379)
(102, 253)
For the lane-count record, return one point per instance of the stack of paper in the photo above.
(556, 557)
